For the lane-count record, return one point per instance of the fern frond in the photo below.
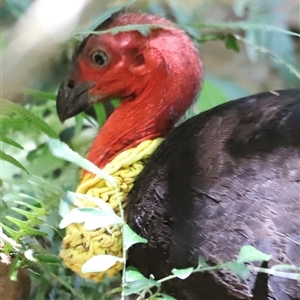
(39, 94)
(23, 212)
(13, 234)
(108, 13)
(9, 141)
(276, 58)
(37, 210)
(25, 228)
(245, 26)
(6, 121)
(12, 160)
(143, 29)
(10, 108)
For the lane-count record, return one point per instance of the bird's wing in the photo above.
(226, 178)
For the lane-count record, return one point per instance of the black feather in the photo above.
(223, 179)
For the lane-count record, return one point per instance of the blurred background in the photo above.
(36, 54)
(38, 39)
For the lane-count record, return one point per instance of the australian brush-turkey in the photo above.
(225, 178)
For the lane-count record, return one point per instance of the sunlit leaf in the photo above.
(62, 150)
(239, 269)
(210, 96)
(29, 255)
(182, 273)
(138, 286)
(10, 231)
(131, 238)
(248, 254)
(100, 263)
(202, 263)
(133, 274)
(143, 29)
(92, 218)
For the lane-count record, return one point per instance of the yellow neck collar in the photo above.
(79, 244)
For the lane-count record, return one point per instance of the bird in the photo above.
(224, 178)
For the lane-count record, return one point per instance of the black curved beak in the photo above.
(73, 98)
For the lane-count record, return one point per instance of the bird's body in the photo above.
(223, 179)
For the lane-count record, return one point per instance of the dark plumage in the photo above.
(225, 178)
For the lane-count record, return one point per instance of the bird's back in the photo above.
(226, 178)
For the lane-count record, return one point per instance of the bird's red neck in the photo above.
(131, 123)
(152, 113)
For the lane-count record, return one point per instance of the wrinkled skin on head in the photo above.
(145, 72)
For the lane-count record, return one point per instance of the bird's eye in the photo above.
(99, 58)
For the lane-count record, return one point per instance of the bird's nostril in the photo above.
(70, 84)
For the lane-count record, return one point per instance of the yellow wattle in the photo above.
(79, 244)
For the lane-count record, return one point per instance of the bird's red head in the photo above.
(157, 77)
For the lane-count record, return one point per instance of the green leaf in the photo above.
(130, 237)
(115, 102)
(248, 254)
(232, 43)
(244, 26)
(9, 141)
(108, 13)
(62, 150)
(100, 113)
(10, 231)
(23, 225)
(39, 94)
(31, 231)
(12, 161)
(135, 287)
(133, 274)
(48, 258)
(183, 273)
(6, 121)
(78, 124)
(210, 96)
(239, 269)
(144, 29)
(10, 108)
(100, 263)
(277, 59)
(25, 213)
(202, 263)
(13, 270)
(93, 218)
(40, 211)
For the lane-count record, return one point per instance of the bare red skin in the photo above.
(157, 77)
